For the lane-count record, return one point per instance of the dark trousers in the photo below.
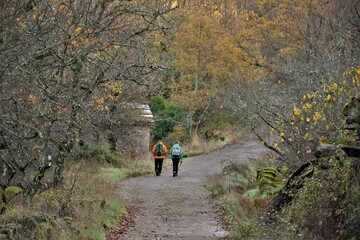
(158, 165)
(175, 164)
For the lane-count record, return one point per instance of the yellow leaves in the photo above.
(114, 87)
(108, 93)
(307, 106)
(35, 147)
(100, 101)
(287, 52)
(296, 128)
(272, 132)
(308, 137)
(78, 30)
(311, 95)
(75, 43)
(317, 116)
(174, 4)
(97, 54)
(355, 80)
(333, 87)
(296, 111)
(22, 23)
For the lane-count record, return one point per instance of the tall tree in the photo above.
(65, 65)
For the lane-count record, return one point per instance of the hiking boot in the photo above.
(157, 173)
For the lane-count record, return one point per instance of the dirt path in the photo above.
(180, 207)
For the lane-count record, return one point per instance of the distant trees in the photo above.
(243, 57)
(65, 66)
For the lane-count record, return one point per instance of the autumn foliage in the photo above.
(70, 72)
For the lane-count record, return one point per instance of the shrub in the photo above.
(167, 116)
(317, 119)
(99, 153)
(327, 206)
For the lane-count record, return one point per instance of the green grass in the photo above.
(114, 174)
(112, 211)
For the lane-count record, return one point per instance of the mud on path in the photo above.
(180, 207)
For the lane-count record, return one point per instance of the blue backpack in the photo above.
(175, 151)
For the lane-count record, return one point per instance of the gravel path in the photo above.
(180, 207)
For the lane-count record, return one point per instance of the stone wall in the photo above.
(134, 142)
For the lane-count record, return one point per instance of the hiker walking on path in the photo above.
(159, 150)
(176, 156)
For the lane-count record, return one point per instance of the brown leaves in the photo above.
(125, 223)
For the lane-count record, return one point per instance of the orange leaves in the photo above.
(78, 30)
(100, 101)
(32, 98)
(198, 60)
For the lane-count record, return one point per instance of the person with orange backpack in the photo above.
(159, 150)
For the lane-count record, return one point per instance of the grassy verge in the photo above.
(326, 207)
(242, 202)
(82, 207)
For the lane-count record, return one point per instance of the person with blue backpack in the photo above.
(159, 150)
(176, 156)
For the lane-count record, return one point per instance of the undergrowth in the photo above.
(326, 207)
(82, 207)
